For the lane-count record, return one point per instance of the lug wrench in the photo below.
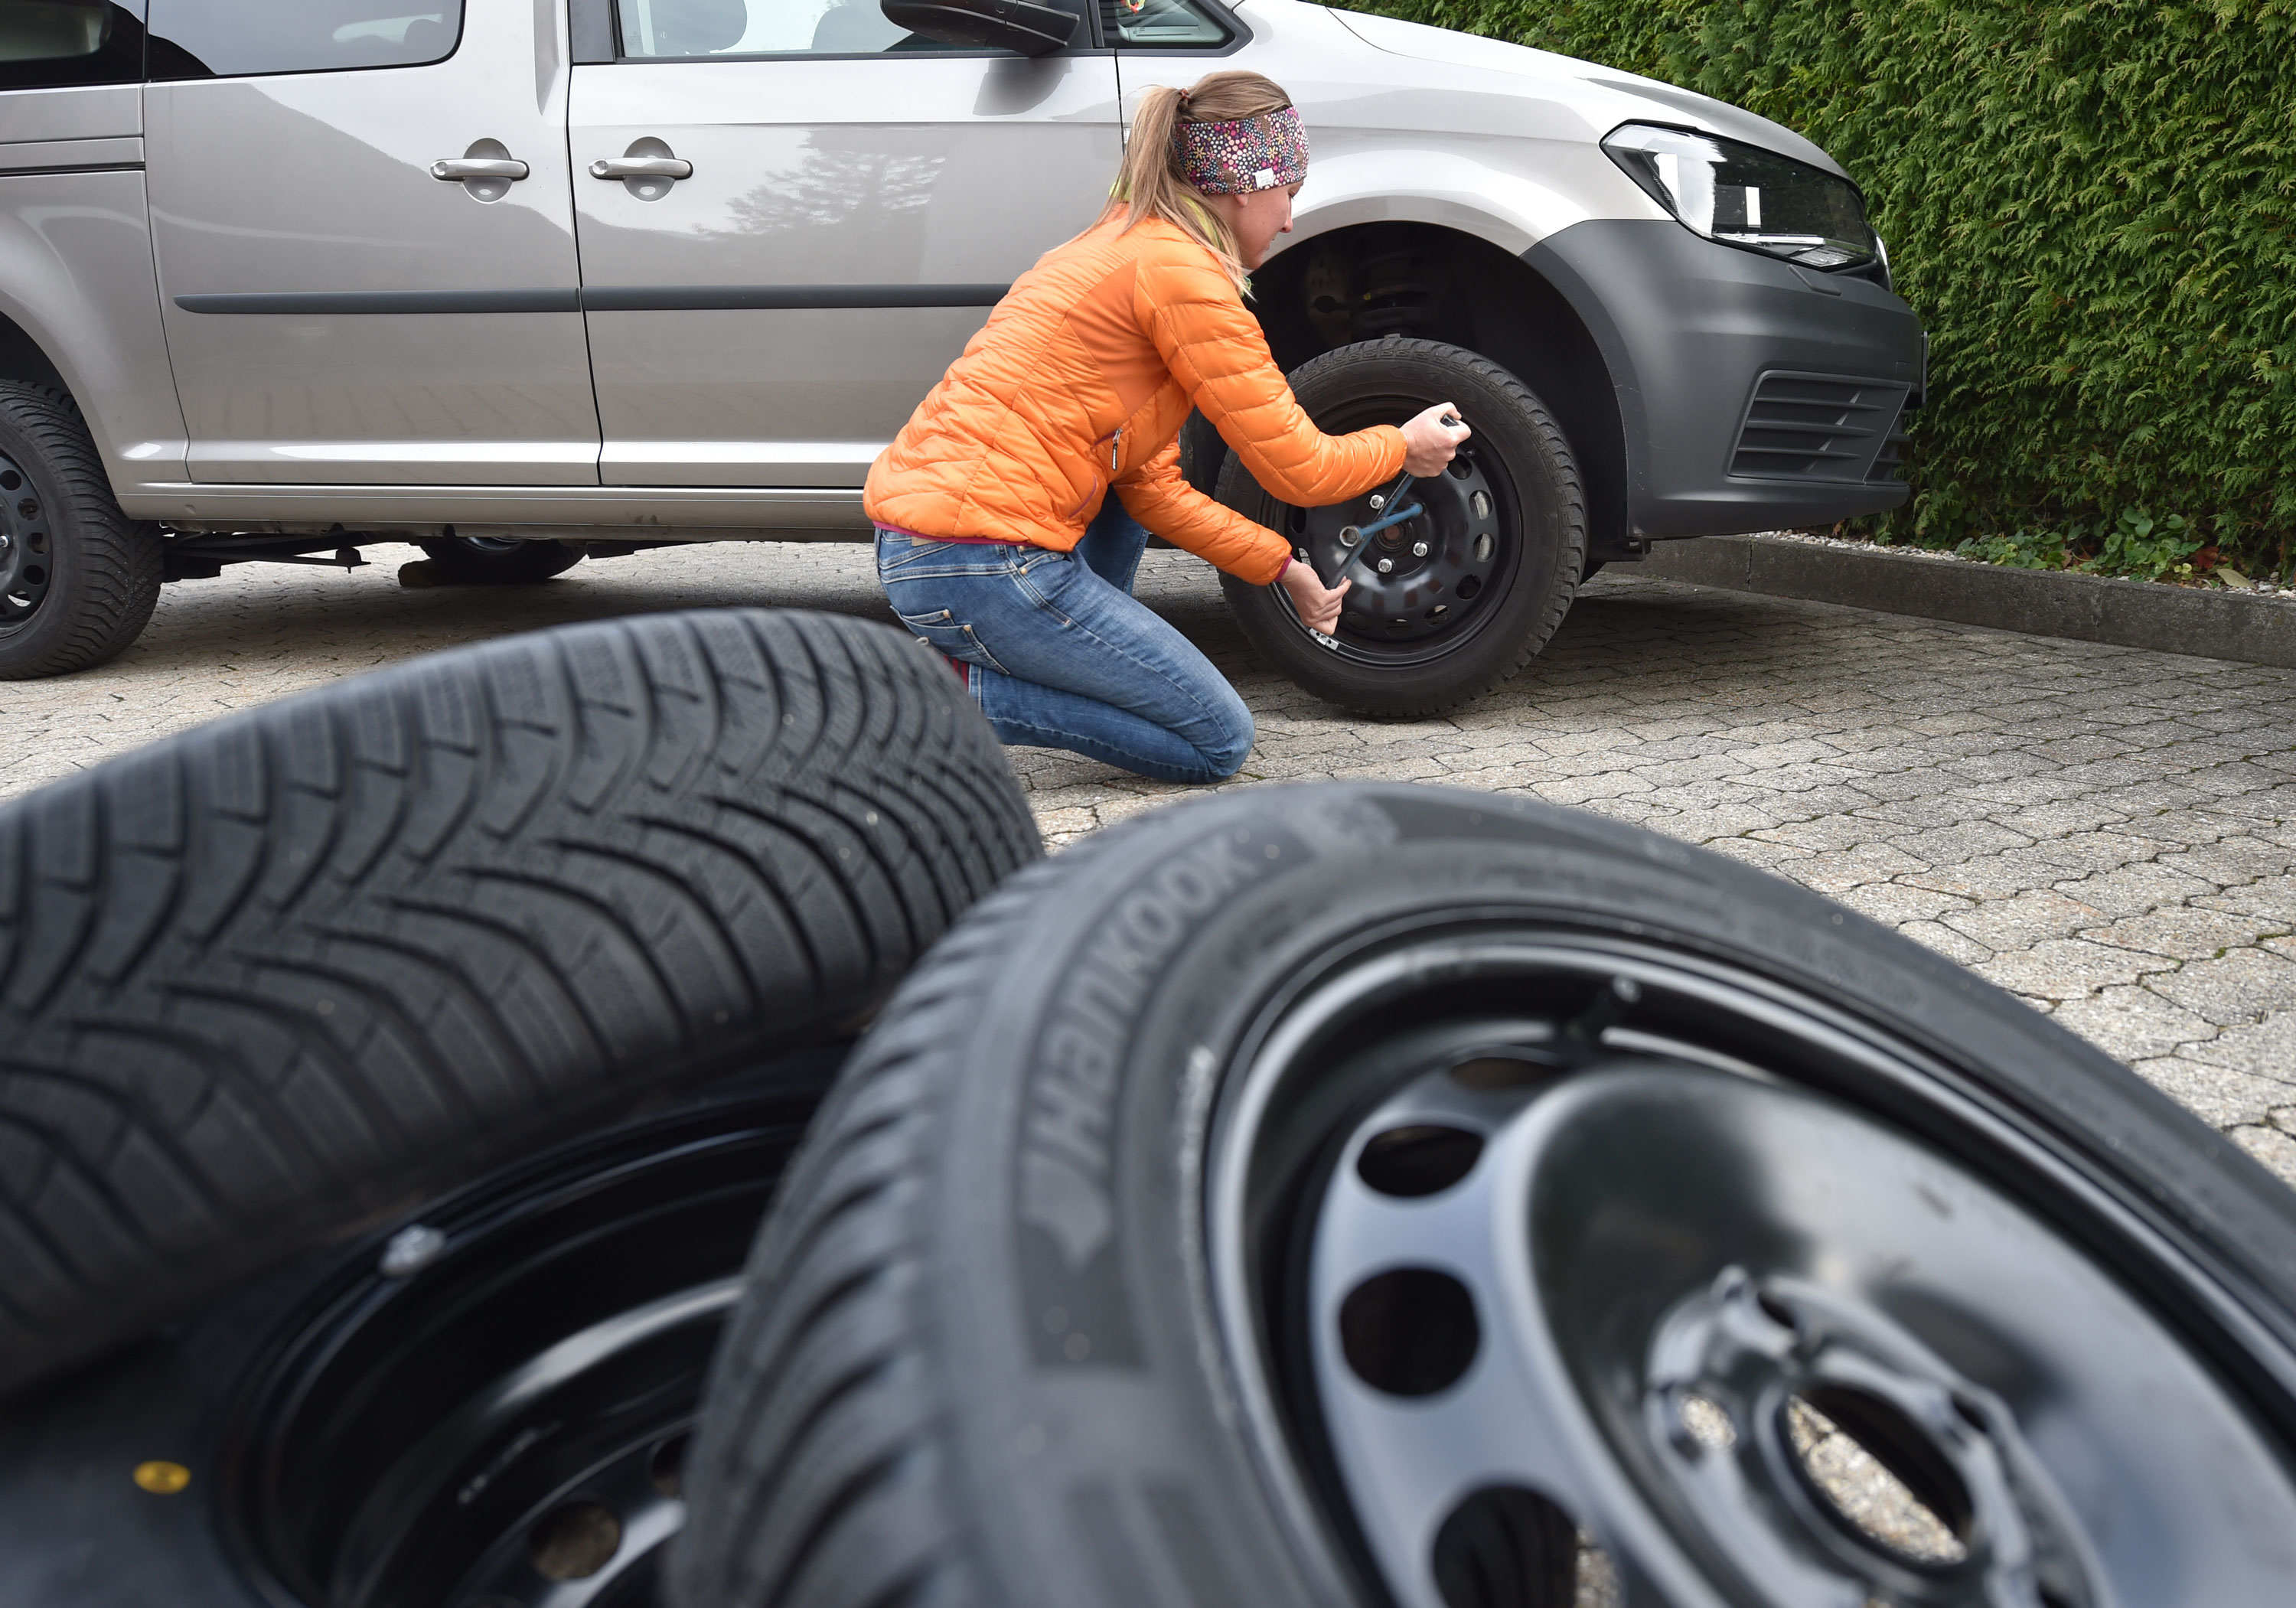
(1355, 539)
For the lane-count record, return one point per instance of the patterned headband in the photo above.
(1250, 153)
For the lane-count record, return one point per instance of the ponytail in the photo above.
(1152, 184)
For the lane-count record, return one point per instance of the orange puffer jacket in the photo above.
(1081, 379)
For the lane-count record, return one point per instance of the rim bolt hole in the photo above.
(1470, 587)
(38, 540)
(34, 576)
(574, 1540)
(29, 508)
(1410, 1162)
(1481, 503)
(1880, 1474)
(1411, 1331)
(10, 480)
(1500, 1071)
(666, 1468)
(1707, 1423)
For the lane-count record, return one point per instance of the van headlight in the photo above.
(1743, 195)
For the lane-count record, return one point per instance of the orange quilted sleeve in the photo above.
(1157, 496)
(1215, 348)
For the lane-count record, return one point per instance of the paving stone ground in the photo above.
(2107, 832)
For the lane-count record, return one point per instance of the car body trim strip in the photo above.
(566, 300)
(728, 298)
(608, 298)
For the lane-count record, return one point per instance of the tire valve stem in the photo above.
(1584, 1032)
(410, 1251)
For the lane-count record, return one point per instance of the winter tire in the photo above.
(1474, 586)
(79, 579)
(1394, 1195)
(485, 561)
(268, 981)
(485, 1401)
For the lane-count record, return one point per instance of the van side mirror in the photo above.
(1021, 25)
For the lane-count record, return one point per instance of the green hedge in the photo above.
(2093, 207)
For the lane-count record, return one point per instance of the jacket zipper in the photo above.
(1115, 447)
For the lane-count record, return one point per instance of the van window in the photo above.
(241, 38)
(660, 30)
(50, 42)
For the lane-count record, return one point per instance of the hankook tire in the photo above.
(1383, 1194)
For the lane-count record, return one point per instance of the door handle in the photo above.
(454, 169)
(641, 167)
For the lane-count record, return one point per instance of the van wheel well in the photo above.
(1427, 282)
(21, 358)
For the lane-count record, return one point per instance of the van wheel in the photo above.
(1475, 585)
(1380, 1194)
(272, 979)
(79, 579)
(487, 560)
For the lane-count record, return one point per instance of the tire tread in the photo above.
(118, 561)
(263, 983)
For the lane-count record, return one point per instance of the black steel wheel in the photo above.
(1407, 1197)
(79, 579)
(483, 1404)
(493, 560)
(1444, 605)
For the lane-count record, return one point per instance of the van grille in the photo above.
(1818, 427)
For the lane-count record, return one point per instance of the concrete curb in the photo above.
(2247, 628)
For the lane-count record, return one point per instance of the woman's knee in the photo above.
(1225, 753)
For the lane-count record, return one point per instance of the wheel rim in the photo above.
(1675, 1250)
(504, 1425)
(1427, 605)
(27, 555)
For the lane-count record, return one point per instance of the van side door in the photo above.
(363, 221)
(794, 213)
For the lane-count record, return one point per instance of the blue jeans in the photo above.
(1060, 654)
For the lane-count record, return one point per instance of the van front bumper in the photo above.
(1752, 394)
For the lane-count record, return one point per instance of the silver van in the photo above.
(528, 281)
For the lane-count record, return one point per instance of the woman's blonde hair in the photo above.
(1151, 183)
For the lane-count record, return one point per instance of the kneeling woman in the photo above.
(997, 540)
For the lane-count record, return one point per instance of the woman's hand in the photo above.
(1318, 607)
(1428, 443)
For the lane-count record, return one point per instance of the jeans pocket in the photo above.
(1059, 568)
(951, 637)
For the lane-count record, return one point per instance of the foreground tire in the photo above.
(79, 579)
(1477, 584)
(1315, 1195)
(270, 981)
(482, 561)
(485, 1402)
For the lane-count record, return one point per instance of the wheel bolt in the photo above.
(1419, 549)
(3, 541)
(1386, 565)
(1378, 501)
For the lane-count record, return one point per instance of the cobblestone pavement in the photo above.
(2107, 832)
